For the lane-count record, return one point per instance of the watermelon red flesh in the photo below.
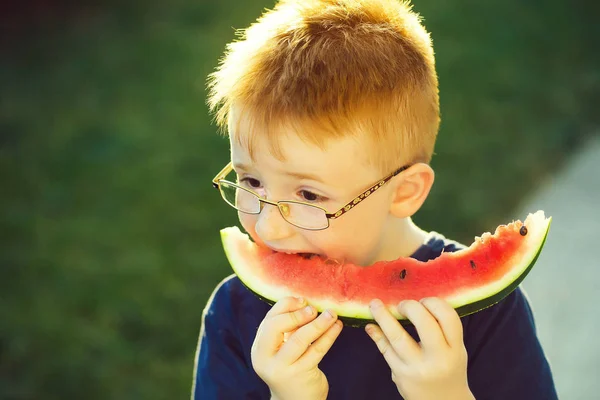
(477, 274)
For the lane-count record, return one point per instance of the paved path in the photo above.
(564, 287)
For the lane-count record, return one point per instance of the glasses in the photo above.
(298, 213)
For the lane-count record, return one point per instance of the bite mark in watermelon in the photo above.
(470, 279)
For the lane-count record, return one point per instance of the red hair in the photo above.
(331, 68)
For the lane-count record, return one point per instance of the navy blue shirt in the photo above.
(505, 359)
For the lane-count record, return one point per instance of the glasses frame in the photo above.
(343, 210)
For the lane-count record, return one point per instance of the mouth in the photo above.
(311, 256)
(306, 256)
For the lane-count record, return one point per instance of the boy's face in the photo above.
(330, 178)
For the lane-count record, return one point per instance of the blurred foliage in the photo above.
(110, 243)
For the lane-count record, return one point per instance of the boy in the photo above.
(322, 100)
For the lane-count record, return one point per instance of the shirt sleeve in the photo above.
(222, 369)
(506, 360)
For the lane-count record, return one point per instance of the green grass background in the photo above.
(110, 243)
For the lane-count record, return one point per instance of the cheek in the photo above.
(361, 221)
(248, 222)
(355, 235)
(348, 235)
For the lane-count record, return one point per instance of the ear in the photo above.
(410, 189)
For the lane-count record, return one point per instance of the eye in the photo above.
(311, 197)
(250, 182)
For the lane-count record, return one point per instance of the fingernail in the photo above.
(376, 303)
(308, 310)
(427, 300)
(328, 314)
(301, 300)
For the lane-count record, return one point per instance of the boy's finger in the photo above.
(274, 329)
(402, 343)
(315, 353)
(287, 335)
(447, 318)
(298, 343)
(284, 305)
(427, 327)
(394, 360)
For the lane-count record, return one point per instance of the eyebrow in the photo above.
(297, 175)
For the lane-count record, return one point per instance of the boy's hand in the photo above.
(290, 367)
(435, 368)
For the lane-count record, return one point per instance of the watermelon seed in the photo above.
(473, 264)
(396, 276)
(523, 230)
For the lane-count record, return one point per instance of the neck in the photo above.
(401, 239)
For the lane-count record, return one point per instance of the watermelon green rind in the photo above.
(354, 314)
(471, 308)
(494, 299)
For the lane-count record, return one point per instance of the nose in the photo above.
(271, 226)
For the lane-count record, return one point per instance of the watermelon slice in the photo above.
(470, 279)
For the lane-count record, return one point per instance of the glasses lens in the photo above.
(304, 215)
(239, 198)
